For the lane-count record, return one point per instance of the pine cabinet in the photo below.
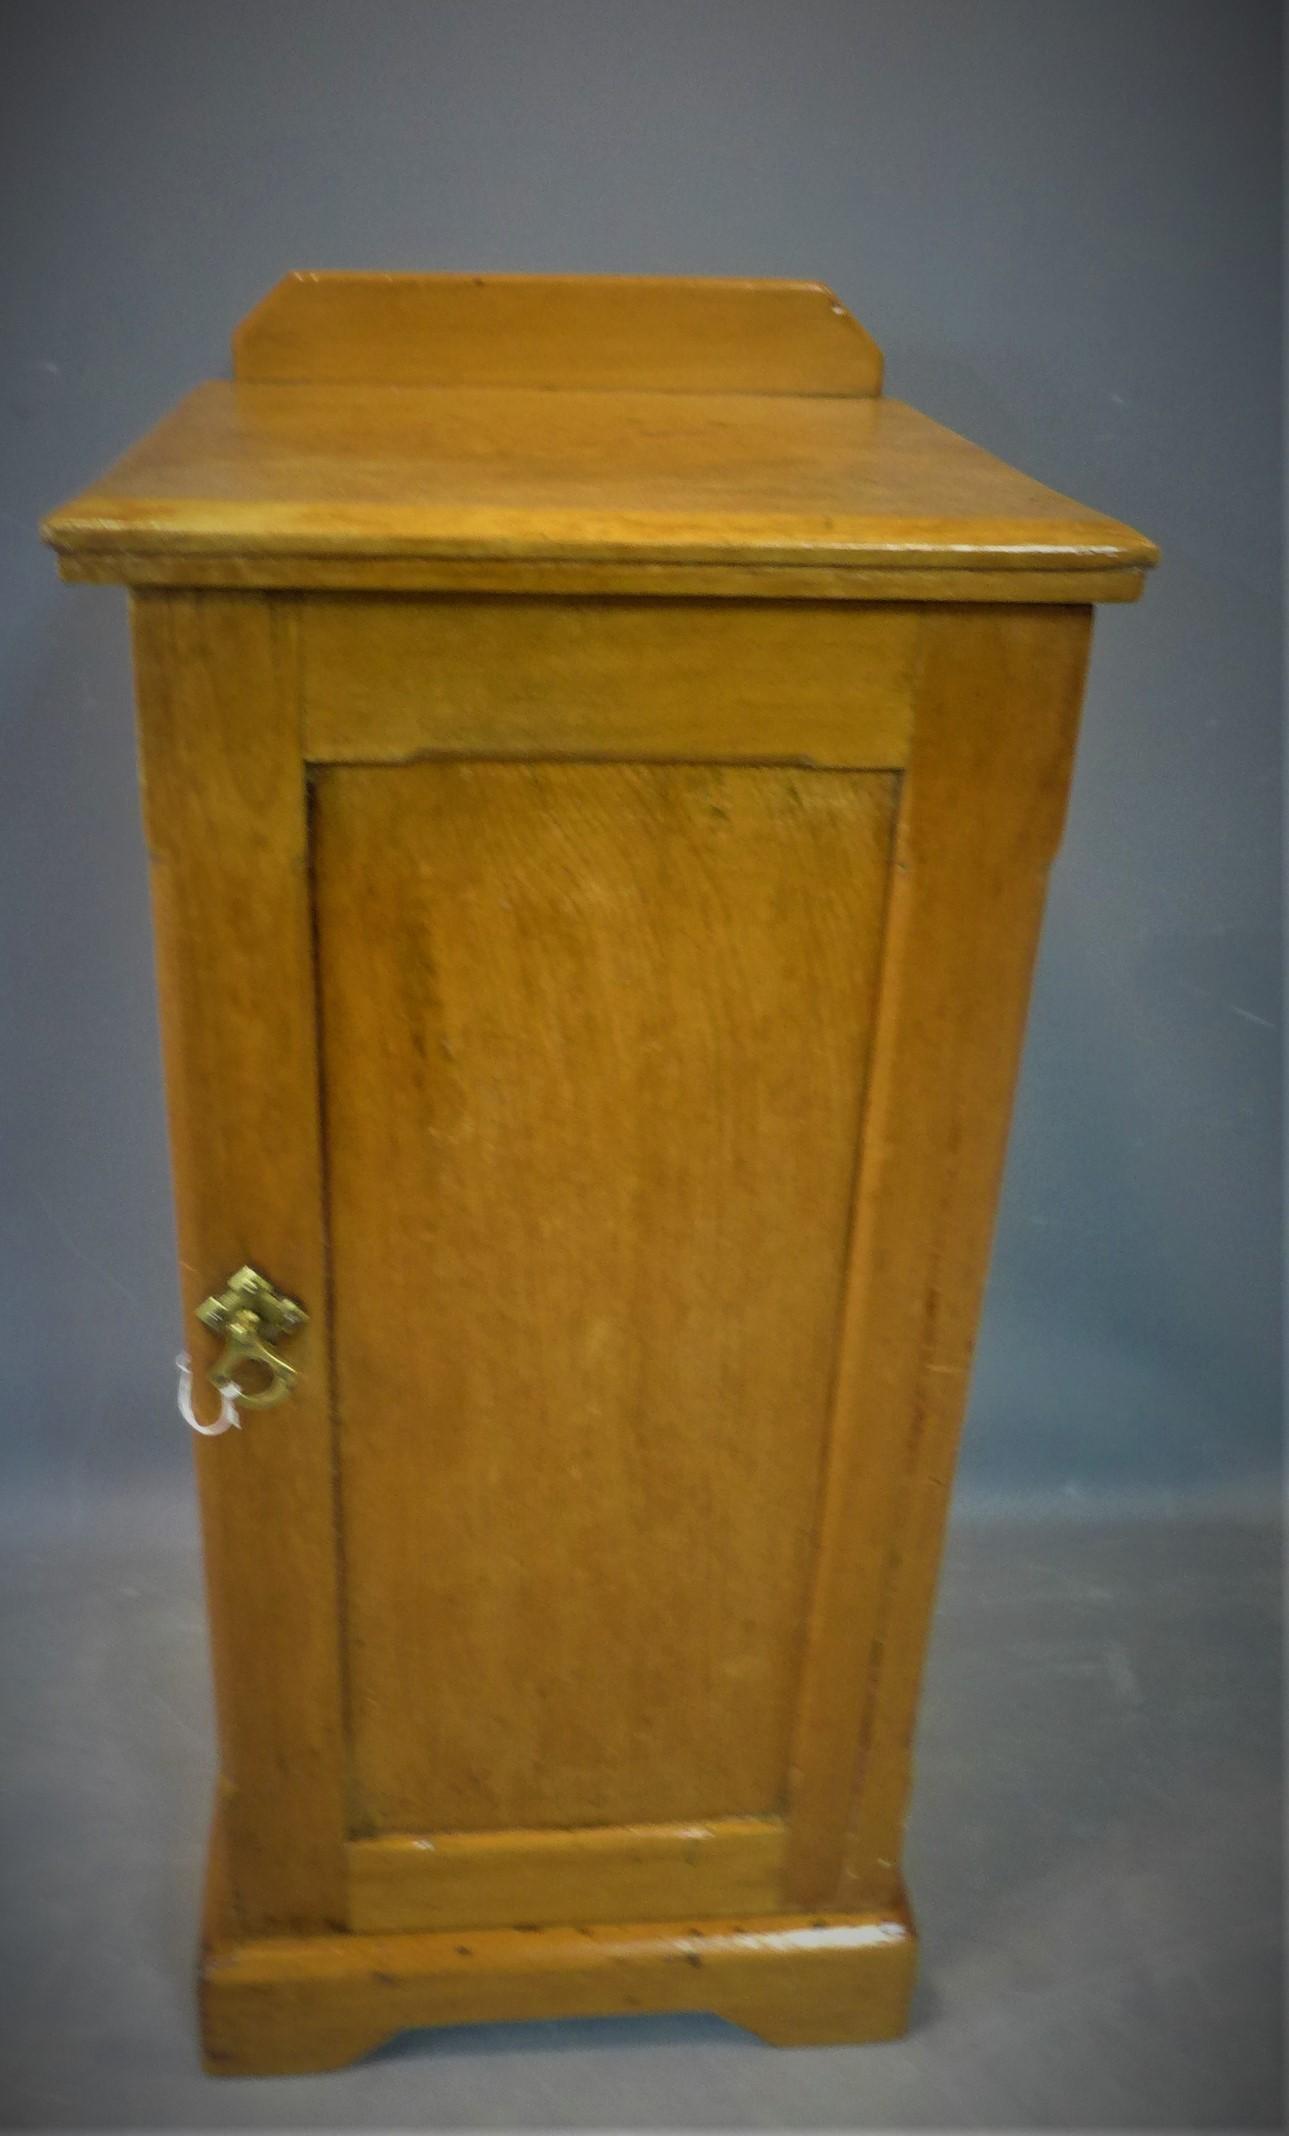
(601, 762)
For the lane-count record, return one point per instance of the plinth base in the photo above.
(279, 2005)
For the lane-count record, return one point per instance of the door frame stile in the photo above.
(980, 817)
(224, 793)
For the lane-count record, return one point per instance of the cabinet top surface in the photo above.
(326, 467)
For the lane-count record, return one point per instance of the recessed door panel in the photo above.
(594, 1040)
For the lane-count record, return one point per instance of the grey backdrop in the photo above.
(1060, 219)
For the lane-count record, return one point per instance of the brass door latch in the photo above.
(252, 1315)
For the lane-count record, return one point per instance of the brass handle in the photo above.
(251, 1315)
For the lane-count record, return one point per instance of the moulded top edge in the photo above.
(523, 474)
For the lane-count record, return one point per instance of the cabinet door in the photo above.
(631, 1130)
(594, 1044)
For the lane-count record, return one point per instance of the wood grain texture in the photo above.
(284, 2005)
(601, 763)
(387, 680)
(293, 2004)
(666, 333)
(595, 1040)
(604, 1873)
(224, 796)
(385, 472)
(982, 808)
(699, 582)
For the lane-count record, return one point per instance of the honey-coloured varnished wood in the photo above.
(589, 1199)
(287, 2004)
(225, 813)
(596, 332)
(983, 805)
(602, 766)
(384, 680)
(381, 475)
(645, 1872)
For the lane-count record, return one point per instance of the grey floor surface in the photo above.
(1094, 1855)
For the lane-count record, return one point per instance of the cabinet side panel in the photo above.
(983, 804)
(226, 824)
(595, 1039)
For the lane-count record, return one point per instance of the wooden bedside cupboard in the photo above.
(601, 766)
